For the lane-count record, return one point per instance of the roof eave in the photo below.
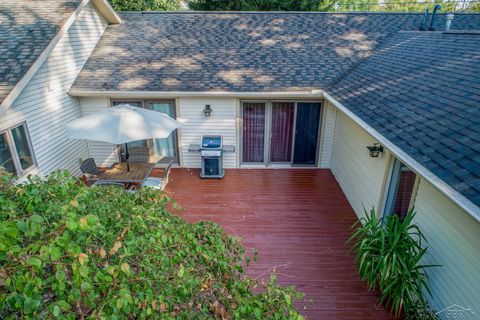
(104, 7)
(471, 208)
(173, 94)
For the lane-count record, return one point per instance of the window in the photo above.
(158, 148)
(15, 150)
(400, 191)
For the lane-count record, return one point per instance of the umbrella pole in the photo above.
(127, 156)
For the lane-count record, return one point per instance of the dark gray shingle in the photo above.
(26, 29)
(239, 51)
(437, 75)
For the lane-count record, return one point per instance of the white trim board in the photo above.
(101, 6)
(176, 94)
(446, 189)
(104, 7)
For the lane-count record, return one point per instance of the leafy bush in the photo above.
(388, 258)
(72, 252)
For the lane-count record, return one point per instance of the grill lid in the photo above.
(211, 142)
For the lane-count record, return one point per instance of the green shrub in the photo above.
(72, 252)
(389, 255)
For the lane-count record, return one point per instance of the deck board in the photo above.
(296, 218)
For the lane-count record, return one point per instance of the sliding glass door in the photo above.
(306, 133)
(281, 136)
(280, 132)
(254, 116)
(159, 149)
(133, 144)
(167, 147)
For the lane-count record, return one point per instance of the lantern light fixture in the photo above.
(207, 111)
(375, 150)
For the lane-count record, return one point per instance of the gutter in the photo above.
(472, 209)
(175, 94)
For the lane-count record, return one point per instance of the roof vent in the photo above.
(448, 21)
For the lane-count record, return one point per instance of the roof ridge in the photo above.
(187, 12)
(360, 61)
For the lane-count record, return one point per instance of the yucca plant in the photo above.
(389, 254)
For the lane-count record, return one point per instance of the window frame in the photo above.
(391, 188)
(145, 105)
(268, 126)
(19, 171)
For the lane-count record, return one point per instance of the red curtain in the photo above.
(404, 192)
(253, 132)
(282, 130)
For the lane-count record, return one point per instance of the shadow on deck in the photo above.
(298, 220)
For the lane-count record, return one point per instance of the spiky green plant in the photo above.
(389, 257)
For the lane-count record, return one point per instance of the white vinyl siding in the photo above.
(454, 243)
(360, 176)
(326, 137)
(45, 105)
(103, 153)
(195, 124)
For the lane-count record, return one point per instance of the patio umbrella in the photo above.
(122, 124)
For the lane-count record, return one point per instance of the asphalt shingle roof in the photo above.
(26, 29)
(421, 90)
(243, 52)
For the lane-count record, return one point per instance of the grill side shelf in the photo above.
(198, 148)
(194, 148)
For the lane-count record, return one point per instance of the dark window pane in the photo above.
(20, 139)
(137, 104)
(253, 132)
(166, 147)
(133, 144)
(282, 131)
(404, 192)
(306, 133)
(6, 160)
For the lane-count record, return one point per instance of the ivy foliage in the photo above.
(68, 251)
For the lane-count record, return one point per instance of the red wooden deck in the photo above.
(298, 220)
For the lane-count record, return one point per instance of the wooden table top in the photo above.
(119, 173)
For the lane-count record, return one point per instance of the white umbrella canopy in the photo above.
(122, 124)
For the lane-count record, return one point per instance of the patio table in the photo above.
(119, 173)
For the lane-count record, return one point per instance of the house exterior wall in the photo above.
(327, 135)
(454, 243)
(451, 232)
(195, 124)
(360, 176)
(222, 122)
(103, 153)
(44, 104)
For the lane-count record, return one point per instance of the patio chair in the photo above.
(158, 183)
(138, 154)
(108, 184)
(90, 170)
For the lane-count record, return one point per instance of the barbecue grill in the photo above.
(211, 149)
(212, 157)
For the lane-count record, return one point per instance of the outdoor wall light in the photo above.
(375, 150)
(207, 111)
